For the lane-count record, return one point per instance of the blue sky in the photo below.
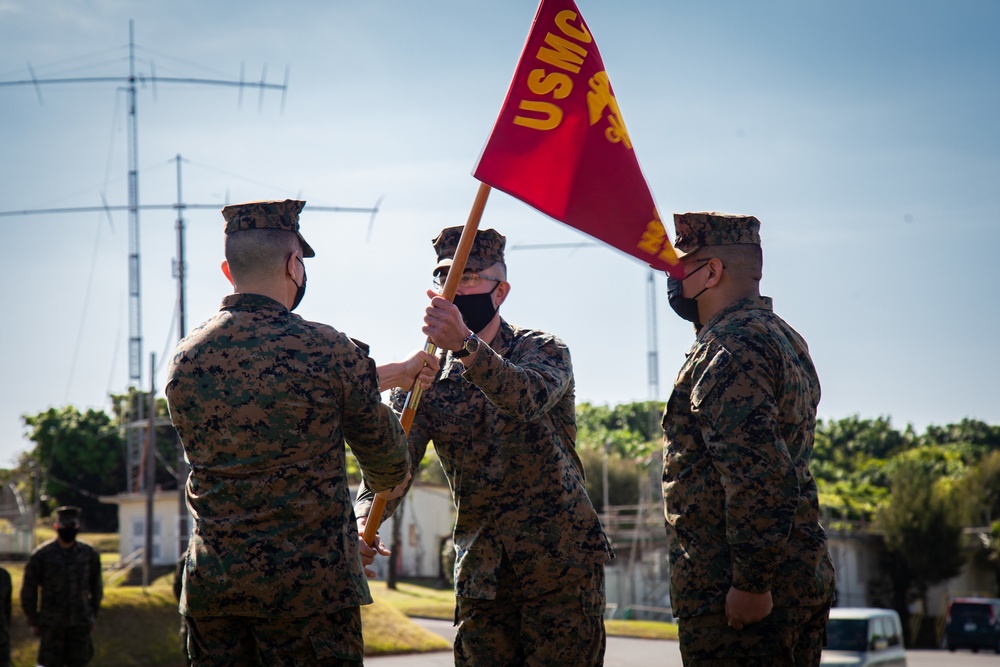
(862, 134)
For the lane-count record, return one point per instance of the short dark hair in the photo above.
(259, 253)
(744, 261)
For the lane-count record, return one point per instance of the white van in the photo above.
(863, 636)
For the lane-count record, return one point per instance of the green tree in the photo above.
(923, 529)
(845, 445)
(78, 457)
(979, 437)
(126, 407)
(631, 436)
(628, 430)
(980, 491)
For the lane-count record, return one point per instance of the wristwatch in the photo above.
(470, 346)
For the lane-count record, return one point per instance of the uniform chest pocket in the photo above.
(450, 428)
(718, 368)
(723, 395)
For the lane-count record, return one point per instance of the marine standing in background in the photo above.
(530, 548)
(69, 574)
(263, 401)
(5, 599)
(751, 577)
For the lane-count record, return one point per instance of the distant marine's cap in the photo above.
(67, 515)
(267, 215)
(696, 230)
(487, 249)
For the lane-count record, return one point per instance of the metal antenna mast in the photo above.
(135, 293)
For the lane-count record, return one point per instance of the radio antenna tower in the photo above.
(134, 284)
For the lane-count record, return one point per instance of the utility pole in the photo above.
(182, 467)
(150, 482)
(134, 436)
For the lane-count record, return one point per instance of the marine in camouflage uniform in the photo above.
(263, 401)
(69, 574)
(741, 506)
(530, 549)
(5, 599)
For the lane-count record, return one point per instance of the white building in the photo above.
(132, 525)
(428, 518)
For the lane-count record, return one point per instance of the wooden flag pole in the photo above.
(450, 287)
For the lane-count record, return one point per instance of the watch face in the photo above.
(470, 347)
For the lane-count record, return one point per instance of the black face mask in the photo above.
(301, 289)
(477, 309)
(685, 307)
(67, 534)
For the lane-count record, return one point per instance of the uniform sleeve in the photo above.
(29, 590)
(529, 384)
(5, 595)
(370, 427)
(417, 440)
(96, 583)
(738, 416)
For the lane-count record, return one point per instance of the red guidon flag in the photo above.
(560, 143)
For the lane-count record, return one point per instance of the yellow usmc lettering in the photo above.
(560, 53)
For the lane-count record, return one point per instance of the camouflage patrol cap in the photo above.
(487, 249)
(67, 515)
(695, 230)
(267, 215)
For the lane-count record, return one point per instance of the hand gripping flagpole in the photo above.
(450, 287)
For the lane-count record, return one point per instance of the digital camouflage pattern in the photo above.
(487, 248)
(505, 433)
(741, 506)
(65, 647)
(267, 215)
(263, 401)
(71, 583)
(72, 589)
(694, 230)
(565, 626)
(327, 640)
(5, 603)
(787, 637)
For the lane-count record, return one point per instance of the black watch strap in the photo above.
(469, 346)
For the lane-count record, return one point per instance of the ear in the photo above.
(715, 267)
(500, 293)
(293, 265)
(225, 270)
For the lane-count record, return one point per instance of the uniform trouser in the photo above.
(788, 637)
(564, 626)
(324, 640)
(65, 647)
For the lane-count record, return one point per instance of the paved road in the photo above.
(621, 651)
(624, 652)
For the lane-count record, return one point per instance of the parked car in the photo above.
(864, 636)
(973, 623)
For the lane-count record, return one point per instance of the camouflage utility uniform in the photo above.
(5, 600)
(72, 588)
(263, 401)
(740, 503)
(530, 549)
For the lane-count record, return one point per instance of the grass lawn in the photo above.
(139, 626)
(424, 599)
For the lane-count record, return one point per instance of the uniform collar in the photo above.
(249, 301)
(748, 303)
